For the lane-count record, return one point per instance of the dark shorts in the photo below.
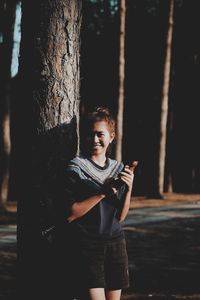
(104, 264)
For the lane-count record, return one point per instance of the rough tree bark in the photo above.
(164, 101)
(47, 125)
(49, 85)
(56, 98)
(120, 112)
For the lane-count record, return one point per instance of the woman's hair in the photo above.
(87, 121)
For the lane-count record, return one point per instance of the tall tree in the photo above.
(7, 9)
(164, 101)
(121, 81)
(48, 124)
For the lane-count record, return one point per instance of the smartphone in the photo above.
(117, 182)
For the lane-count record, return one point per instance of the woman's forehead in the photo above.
(100, 126)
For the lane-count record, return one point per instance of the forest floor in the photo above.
(163, 243)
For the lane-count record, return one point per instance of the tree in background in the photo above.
(7, 16)
(164, 102)
(120, 110)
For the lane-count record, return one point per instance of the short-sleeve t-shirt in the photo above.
(83, 179)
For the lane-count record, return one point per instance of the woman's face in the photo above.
(99, 138)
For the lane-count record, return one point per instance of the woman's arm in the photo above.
(127, 176)
(79, 209)
(125, 207)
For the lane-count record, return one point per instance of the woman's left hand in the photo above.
(127, 176)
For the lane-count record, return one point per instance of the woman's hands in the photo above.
(127, 176)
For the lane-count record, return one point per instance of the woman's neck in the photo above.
(99, 160)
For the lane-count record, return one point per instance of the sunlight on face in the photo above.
(100, 138)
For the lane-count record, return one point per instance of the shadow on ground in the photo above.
(164, 260)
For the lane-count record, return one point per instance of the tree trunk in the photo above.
(120, 113)
(49, 85)
(164, 101)
(47, 125)
(8, 19)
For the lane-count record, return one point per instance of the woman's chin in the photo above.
(97, 150)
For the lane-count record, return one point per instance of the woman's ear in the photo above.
(112, 136)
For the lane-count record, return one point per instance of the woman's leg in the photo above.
(97, 294)
(113, 295)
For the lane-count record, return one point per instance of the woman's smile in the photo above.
(97, 145)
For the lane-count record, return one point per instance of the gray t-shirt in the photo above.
(84, 178)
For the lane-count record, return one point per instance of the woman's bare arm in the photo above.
(79, 209)
(127, 176)
(125, 207)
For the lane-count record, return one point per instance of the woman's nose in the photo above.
(96, 139)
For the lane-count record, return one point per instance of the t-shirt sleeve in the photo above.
(69, 193)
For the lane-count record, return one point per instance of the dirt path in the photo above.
(8, 259)
(169, 199)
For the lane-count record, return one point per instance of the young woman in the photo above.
(96, 210)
